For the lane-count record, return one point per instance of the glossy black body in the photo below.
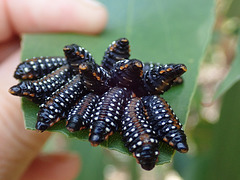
(38, 90)
(79, 116)
(57, 106)
(38, 67)
(126, 73)
(94, 77)
(165, 122)
(107, 115)
(117, 50)
(158, 79)
(75, 55)
(138, 135)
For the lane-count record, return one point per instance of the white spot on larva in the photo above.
(139, 143)
(107, 129)
(130, 139)
(135, 135)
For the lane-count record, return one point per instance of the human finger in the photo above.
(31, 16)
(60, 166)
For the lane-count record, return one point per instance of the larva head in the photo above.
(23, 71)
(86, 67)
(179, 141)
(120, 45)
(45, 119)
(96, 139)
(42, 126)
(98, 133)
(71, 51)
(15, 90)
(73, 123)
(147, 156)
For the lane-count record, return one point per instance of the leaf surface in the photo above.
(159, 31)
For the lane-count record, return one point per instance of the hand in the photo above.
(19, 148)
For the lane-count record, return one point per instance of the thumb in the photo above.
(29, 16)
(18, 146)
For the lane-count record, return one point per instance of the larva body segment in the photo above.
(165, 122)
(138, 135)
(56, 106)
(106, 117)
(147, 66)
(159, 79)
(38, 90)
(117, 50)
(94, 77)
(126, 73)
(75, 55)
(80, 114)
(38, 67)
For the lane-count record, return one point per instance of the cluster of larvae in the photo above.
(121, 95)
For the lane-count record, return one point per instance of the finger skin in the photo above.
(18, 146)
(31, 16)
(60, 166)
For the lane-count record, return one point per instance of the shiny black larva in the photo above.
(117, 50)
(75, 55)
(138, 135)
(79, 116)
(165, 122)
(159, 79)
(126, 73)
(56, 107)
(107, 114)
(38, 67)
(94, 77)
(38, 90)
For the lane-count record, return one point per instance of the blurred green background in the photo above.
(203, 34)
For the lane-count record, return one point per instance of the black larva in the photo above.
(94, 97)
(148, 66)
(138, 135)
(79, 116)
(38, 90)
(38, 67)
(94, 77)
(118, 50)
(57, 106)
(126, 73)
(165, 122)
(76, 55)
(107, 114)
(159, 79)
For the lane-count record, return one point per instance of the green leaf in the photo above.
(233, 75)
(159, 31)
